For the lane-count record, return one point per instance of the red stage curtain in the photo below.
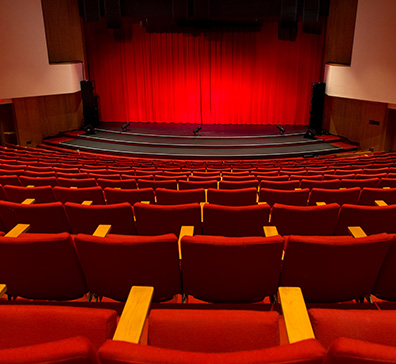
(234, 77)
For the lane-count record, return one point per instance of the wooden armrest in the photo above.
(380, 203)
(202, 205)
(17, 230)
(184, 231)
(133, 317)
(342, 188)
(386, 188)
(356, 231)
(261, 203)
(270, 231)
(30, 186)
(146, 202)
(297, 189)
(295, 314)
(102, 230)
(87, 202)
(320, 203)
(74, 188)
(28, 201)
(3, 289)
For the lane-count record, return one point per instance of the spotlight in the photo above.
(196, 130)
(281, 129)
(89, 130)
(125, 126)
(310, 134)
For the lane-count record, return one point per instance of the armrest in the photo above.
(356, 231)
(28, 201)
(17, 230)
(184, 231)
(3, 289)
(380, 203)
(146, 202)
(386, 188)
(270, 231)
(202, 204)
(72, 187)
(102, 230)
(320, 203)
(295, 314)
(30, 186)
(133, 317)
(87, 202)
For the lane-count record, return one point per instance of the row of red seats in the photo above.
(152, 219)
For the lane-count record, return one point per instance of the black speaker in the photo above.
(317, 107)
(90, 104)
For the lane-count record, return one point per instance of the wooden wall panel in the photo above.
(340, 31)
(63, 30)
(44, 116)
(351, 119)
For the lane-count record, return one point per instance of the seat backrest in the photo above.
(326, 268)
(51, 264)
(78, 182)
(38, 181)
(121, 262)
(85, 219)
(368, 182)
(209, 263)
(176, 197)
(305, 220)
(279, 185)
(290, 197)
(115, 195)
(369, 195)
(232, 185)
(384, 182)
(190, 185)
(166, 219)
(35, 324)
(347, 195)
(330, 183)
(170, 184)
(43, 218)
(237, 197)
(235, 220)
(41, 194)
(71, 175)
(78, 195)
(372, 219)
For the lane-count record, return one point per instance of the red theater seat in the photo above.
(280, 185)
(290, 197)
(189, 185)
(237, 197)
(38, 181)
(232, 185)
(347, 195)
(175, 197)
(368, 196)
(78, 182)
(115, 195)
(41, 194)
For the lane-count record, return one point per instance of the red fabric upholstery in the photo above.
(303, 176)
(111, 176)
(70, 175)
(112, 265)
(171, 184)
(192, 184)
(118, 352)
(78, 195)
(331, 183)
(370, 175)
(305, 220)
(372, 219)
(219, 269)
(76, 350)
(2, 194)
(369, 195)
(279, 185)
(349, 351)
(367, 182)
(121, 183)
(369, 325)
(291, 197)
(41, 194)
(239, 178)
(10, 180)
(43, 218)
(174, 197)
(238, 197)
(115, 195)
(85, 219)
(384, 182)
(348, 195)
(79, 183)
(41, 266)
(235, 220)
(327, 269)
(38, 181)
(165, 219)
(232, 185)
(40, 174)
(33, 324)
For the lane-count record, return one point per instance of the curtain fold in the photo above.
(228, 77)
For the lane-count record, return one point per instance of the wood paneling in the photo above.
(351, 119)
(340, 31)
(63, 30)
(40, 117)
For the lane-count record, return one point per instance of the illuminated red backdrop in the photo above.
(234, 77)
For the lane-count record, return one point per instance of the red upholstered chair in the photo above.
(78, 182)
(305, 220)
(171, 184)
(175, 197)
(238, 178)
(192, 336)
(370, 175)
(41, 266)
(235, 220)
(372, 219)
(112, 176)
(2, 193)
(119, 183)
(115, 195)
(272, 178)
(190, 185)
(123, 261)
(327, 268)
(328, 176)
(78, 195)
(316, 177)
(166, 219)
(368, 182)
(43, 218)
(290, 197)
(85, 219)
(280, 185)
(331, 183)
(38, 181)
(72, 175)
(40, 174)
(209, 267)
(238, 197)
(384, 182)
(369, 195)
(233, 185)
(41, 194)
(347, 195)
